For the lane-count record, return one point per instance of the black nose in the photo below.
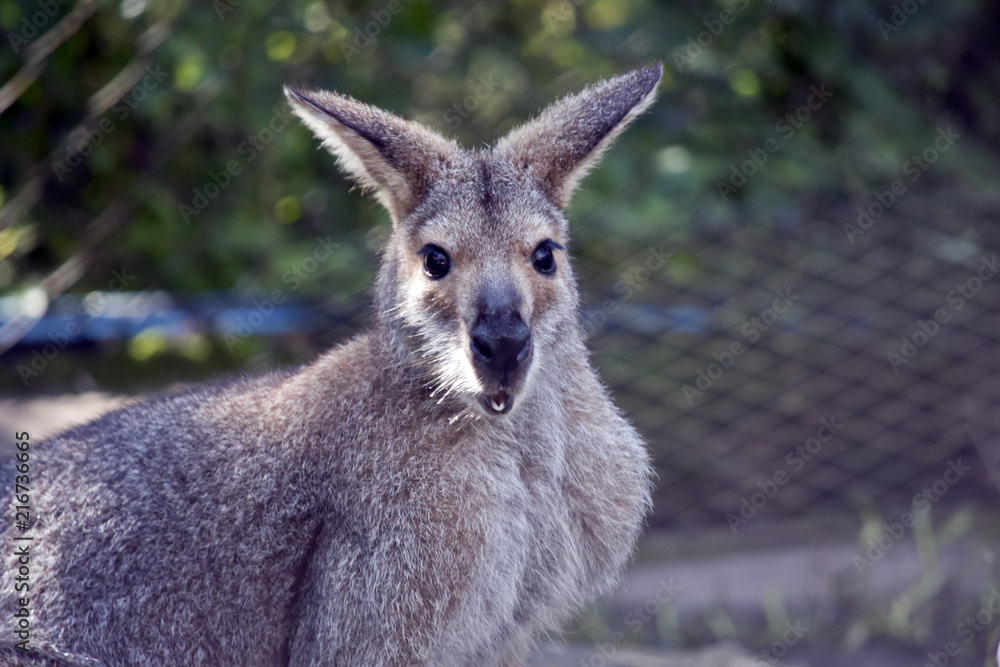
(501, 341)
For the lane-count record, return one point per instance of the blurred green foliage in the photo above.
(733, 71)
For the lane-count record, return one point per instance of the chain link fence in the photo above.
(817, 369)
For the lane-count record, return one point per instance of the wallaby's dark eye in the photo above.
(542, 257)
(436, 261)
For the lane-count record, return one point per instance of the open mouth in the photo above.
(498, 403)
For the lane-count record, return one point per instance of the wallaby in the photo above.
(438, 490)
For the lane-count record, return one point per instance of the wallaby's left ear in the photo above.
(568, 138)
(397, 158)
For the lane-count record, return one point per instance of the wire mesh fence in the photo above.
(816, 371)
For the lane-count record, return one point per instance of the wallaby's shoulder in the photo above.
(246, 398)
(171, 412)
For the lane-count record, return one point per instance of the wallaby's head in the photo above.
(476, 286)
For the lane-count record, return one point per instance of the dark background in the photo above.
(843, 154)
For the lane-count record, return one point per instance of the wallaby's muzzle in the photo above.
(501, 353)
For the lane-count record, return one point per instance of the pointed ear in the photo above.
(397, 158)
(568, 138)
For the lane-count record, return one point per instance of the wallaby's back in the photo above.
(436, 491)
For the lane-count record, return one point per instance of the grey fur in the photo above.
(366, 509)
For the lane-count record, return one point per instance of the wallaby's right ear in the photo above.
(395, 157)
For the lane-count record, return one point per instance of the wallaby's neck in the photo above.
(398, 344)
